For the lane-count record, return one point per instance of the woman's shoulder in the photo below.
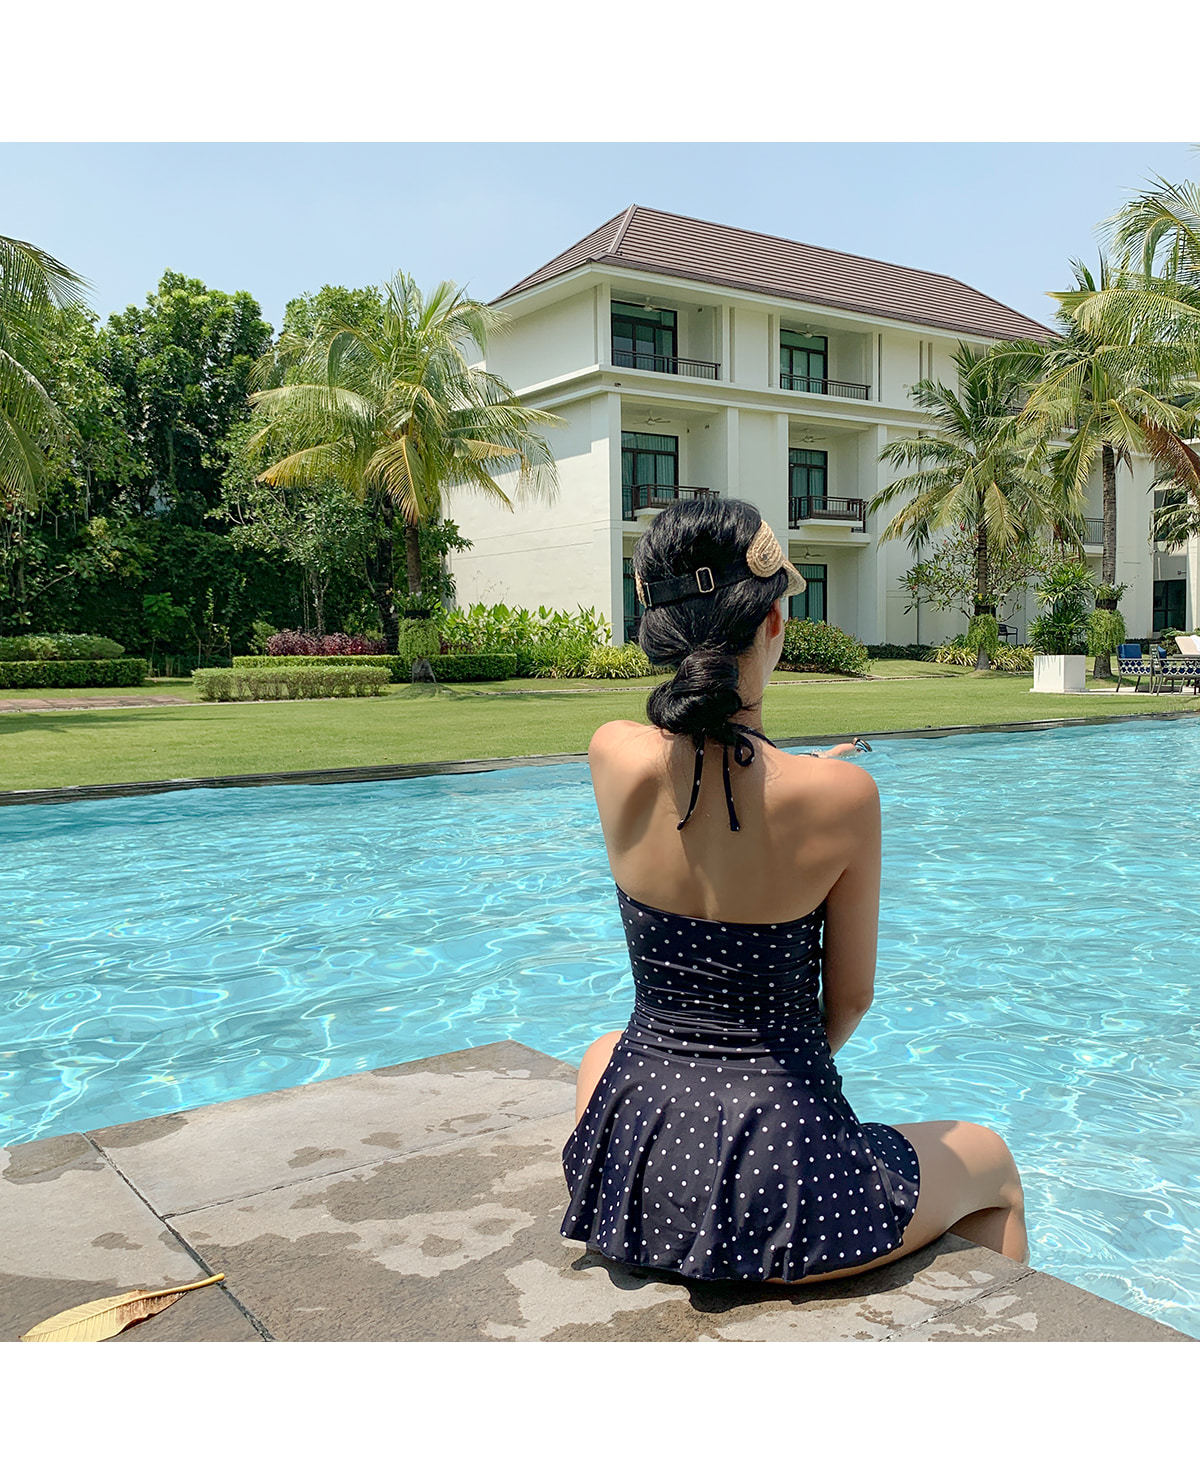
(626, 737)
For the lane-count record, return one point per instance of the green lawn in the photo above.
(416, 724)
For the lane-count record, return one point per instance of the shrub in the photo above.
(294, 682)
(29, 646)
(502, 629)
(1011, 659)
(419, 639)
(396, 666)
(464, 668)
(918, 651)
(1105, 629)
(955, 651)
(983, 632)
(625, 662)
(293, 641)
(48, 674)
(821, 648)
(557, 658)
(1008, 660)
(1066, 596)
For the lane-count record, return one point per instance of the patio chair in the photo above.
(1132, 664)
(1008, 634)
(1177, 671)
(1189, 645)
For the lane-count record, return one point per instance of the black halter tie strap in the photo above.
(743, 754)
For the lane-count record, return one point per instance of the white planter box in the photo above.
(1059, 674)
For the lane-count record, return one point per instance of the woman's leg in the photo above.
(969, 1185)
(592, 1067)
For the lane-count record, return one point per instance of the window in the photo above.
(1170, 602)
(808, 476)
(643, 339)
(647, 459)
(803, 362)
(633, 608)
(810, 603)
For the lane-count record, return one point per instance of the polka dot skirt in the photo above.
(718, 1143)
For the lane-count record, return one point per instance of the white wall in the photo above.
(548, 342)
(560, 553)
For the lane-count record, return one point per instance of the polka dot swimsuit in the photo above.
(718, 1143)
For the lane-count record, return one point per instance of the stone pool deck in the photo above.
(421, 1203)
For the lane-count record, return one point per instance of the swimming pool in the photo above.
(1038, 959)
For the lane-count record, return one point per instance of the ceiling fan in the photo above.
(656, 421)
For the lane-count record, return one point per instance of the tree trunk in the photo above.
(379, 578)
(412, 556)
(1102, 667)
(982, 658)
(1108, 562)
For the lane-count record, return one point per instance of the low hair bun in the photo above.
(700, 698)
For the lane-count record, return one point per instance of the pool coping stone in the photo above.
(421, 1202)
(401, 771)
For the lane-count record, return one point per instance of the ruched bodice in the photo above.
(727, 988)
(718, 1143)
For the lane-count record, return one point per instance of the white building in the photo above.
(685, 356)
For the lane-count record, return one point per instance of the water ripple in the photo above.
(1036, 969)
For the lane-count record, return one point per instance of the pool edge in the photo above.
(400, 771)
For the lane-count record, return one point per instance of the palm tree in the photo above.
(1117, 385)
(32, 284)
(975, 470)
(394, 412)
(1160, 232)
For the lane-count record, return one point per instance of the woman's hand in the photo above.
(843, 748)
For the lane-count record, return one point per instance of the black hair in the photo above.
(703, 634)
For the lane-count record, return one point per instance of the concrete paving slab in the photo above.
(1042, 1309)
(72, 1231)
(461, 1243)
(190, 1159)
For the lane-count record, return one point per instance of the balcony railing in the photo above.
(1093, 532)
(827, 507)
(671, 365)
(658, 496)
(825, 388)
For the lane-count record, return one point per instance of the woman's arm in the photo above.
(852, 914)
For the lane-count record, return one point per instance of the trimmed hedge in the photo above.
(464, 668)
(38, 646)
(49, 674)
(294, 682)
(821, 648)
(921, 652)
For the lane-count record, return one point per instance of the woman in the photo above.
(712, 1136)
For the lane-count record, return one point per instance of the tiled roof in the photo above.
(683, 247)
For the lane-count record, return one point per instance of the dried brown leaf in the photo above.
(92, 1322)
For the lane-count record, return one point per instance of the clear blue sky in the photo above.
(280, 219)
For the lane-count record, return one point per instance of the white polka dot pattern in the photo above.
(718, 1143)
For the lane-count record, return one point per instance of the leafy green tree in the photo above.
(1113, 382)
(319, 528)
(948, 578)
(977, 471)
(182, 365)
(32, 285)
(396, 413)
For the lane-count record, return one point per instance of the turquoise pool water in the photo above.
(1039, 954)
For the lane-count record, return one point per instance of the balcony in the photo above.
(827, 507)
(658, 496)
(670, 365)
(817, 387)
(1093, 531)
